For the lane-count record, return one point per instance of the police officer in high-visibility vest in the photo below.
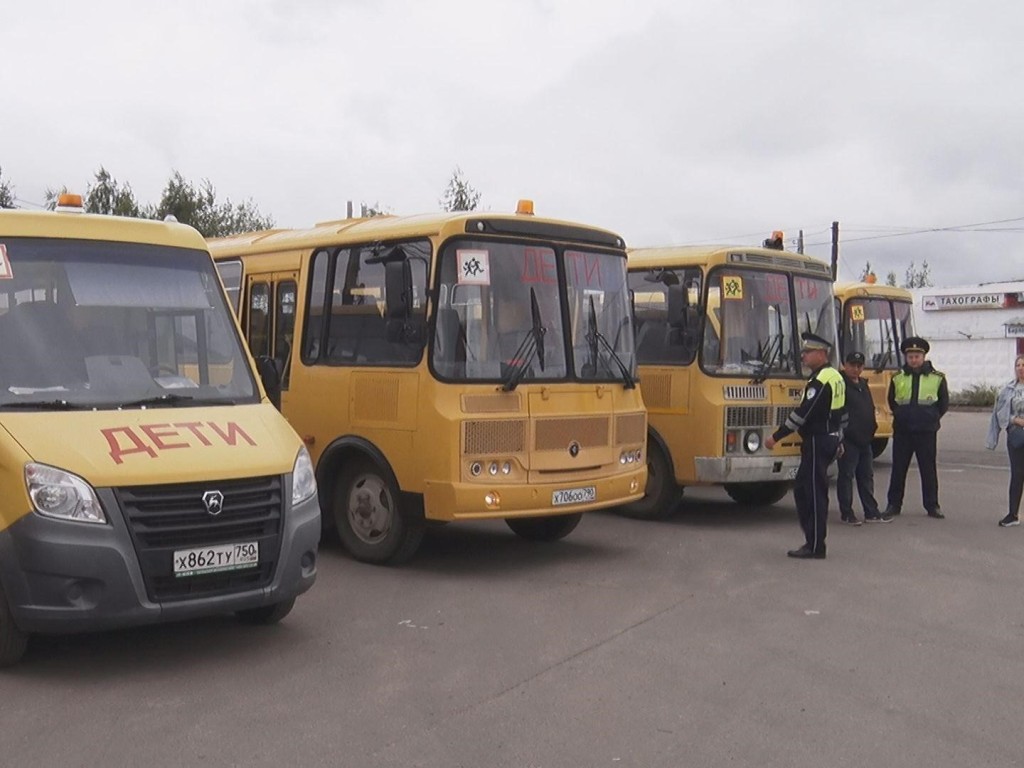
(919, 398)
(819, 419)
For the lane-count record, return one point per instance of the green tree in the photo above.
(51, 195)
(890, 279)
(6, 192)
(917, 278)
(459, 195)
(198, 207)
(368, 211)
(867, 271)
(106, 195)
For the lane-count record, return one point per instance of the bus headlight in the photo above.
(475, 469)
(506, 468)
(493, 469)
(752, 441)
(61, 495)
(303, 477)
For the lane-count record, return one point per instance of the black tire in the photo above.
(266, 614)
(544, 528)
(662, 492)
(878, 446)
(373, 521)
(13, 641)
(758, 494)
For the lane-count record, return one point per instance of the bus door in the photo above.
(269, 320)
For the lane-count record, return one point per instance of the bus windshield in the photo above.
(754, 320)
(112, 325)
(869, 328)
(502, 313)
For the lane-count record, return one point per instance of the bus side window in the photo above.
(357, 332)
(258, 330)
(284, 328)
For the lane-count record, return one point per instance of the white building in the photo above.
(975, 331)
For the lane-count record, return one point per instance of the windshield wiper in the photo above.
(771, 352)
(595, 337)
(767, 359)
(173, 400)
(884, 361)
(531, 346)
(47, 405)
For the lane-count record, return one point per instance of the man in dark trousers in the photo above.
(919, 398)
(819, 420)
(856, 458)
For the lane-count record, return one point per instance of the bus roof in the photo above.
(850, 290)
(368, 230)
(92, 226)
(738, 255)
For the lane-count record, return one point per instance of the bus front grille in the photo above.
(557, 434)
(748, 416)
(630, 428)
(495, 436)
(163, 519)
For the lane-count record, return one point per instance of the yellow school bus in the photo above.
(874, 319)
(144, 475)
(718, 344)
(449, 367)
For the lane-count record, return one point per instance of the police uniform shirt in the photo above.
(815, 414)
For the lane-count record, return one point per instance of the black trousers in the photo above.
(1016, 477)
(906, 445)
(855, 464)
(811, 489)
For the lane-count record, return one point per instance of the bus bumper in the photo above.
(745, 469)
(466, 501)
(62, 576)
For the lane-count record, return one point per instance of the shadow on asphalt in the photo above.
(487, 550)
(721, 514)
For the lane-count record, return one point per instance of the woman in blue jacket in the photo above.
(1008, 414)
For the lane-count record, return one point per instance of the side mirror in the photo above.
(678, 303)
(271, 378)
(398, 289)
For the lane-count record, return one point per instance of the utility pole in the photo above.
(800, 242)
(835, 249)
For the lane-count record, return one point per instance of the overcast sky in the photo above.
(668, 121)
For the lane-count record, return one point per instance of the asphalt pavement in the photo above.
(689, 642)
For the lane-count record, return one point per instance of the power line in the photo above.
(956, 228)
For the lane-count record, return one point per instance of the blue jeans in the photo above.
(855, 464)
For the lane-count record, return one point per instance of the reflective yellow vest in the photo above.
(927, 389)
(829, 375)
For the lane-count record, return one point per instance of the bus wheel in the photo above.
(544, 528)
(878, 445)
(661, 493)
(757, 494)
(373, 524)
(266, 614)
(12, 640)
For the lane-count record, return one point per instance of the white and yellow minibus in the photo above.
(718, 344)
(449, 367)
(144, 475)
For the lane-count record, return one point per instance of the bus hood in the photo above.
(158, 445)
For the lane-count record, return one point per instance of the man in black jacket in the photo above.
(855, 460)
(919, 398)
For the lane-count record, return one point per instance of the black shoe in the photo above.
(1009, 520)
(891, 511)
(936, 514)
(806, 553)
(883, 518)
(850, 519)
